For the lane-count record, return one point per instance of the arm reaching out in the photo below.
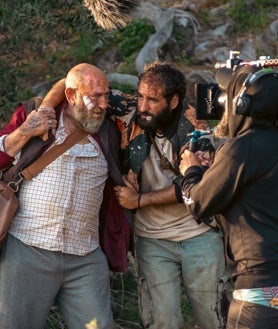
(53, 98)
(129, 198)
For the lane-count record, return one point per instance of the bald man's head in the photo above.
(82, 75)
(87, 93)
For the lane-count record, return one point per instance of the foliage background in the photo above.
(41, 39)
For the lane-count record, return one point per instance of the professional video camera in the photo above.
(210, 98)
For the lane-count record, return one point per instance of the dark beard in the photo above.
(159, 121)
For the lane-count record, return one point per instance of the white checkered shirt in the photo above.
(59, 207)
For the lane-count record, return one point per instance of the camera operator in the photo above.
(241, 188)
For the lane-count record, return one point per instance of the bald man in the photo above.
(52, 252)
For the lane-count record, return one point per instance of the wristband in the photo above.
(178, 191)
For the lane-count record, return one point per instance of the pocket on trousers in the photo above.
(144, 302)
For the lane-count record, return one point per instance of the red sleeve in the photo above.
(17, 119)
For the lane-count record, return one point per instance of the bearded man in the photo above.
(172, 250)
(52, 252)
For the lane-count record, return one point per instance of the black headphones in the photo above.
(242, 101)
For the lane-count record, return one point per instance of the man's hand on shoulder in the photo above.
(37, 123)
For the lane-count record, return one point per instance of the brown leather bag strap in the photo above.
(50, 155)
(164, 161)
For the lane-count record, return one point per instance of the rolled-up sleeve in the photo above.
(2, 138)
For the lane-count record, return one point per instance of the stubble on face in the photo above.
(88, 121)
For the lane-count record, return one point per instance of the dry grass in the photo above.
(124, 304)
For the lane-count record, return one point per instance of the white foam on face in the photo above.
(88, 103)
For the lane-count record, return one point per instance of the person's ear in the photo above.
(174, 102)
(70, 95)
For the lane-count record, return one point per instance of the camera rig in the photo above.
(210, 98)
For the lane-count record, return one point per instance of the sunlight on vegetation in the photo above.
(92, 324)
(36, 35)
(133, 37)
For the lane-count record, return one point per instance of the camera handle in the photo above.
(195, 134)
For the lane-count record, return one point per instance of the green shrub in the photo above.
(250, 16)
(41, 40)
(133, 37)
(41, 32)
